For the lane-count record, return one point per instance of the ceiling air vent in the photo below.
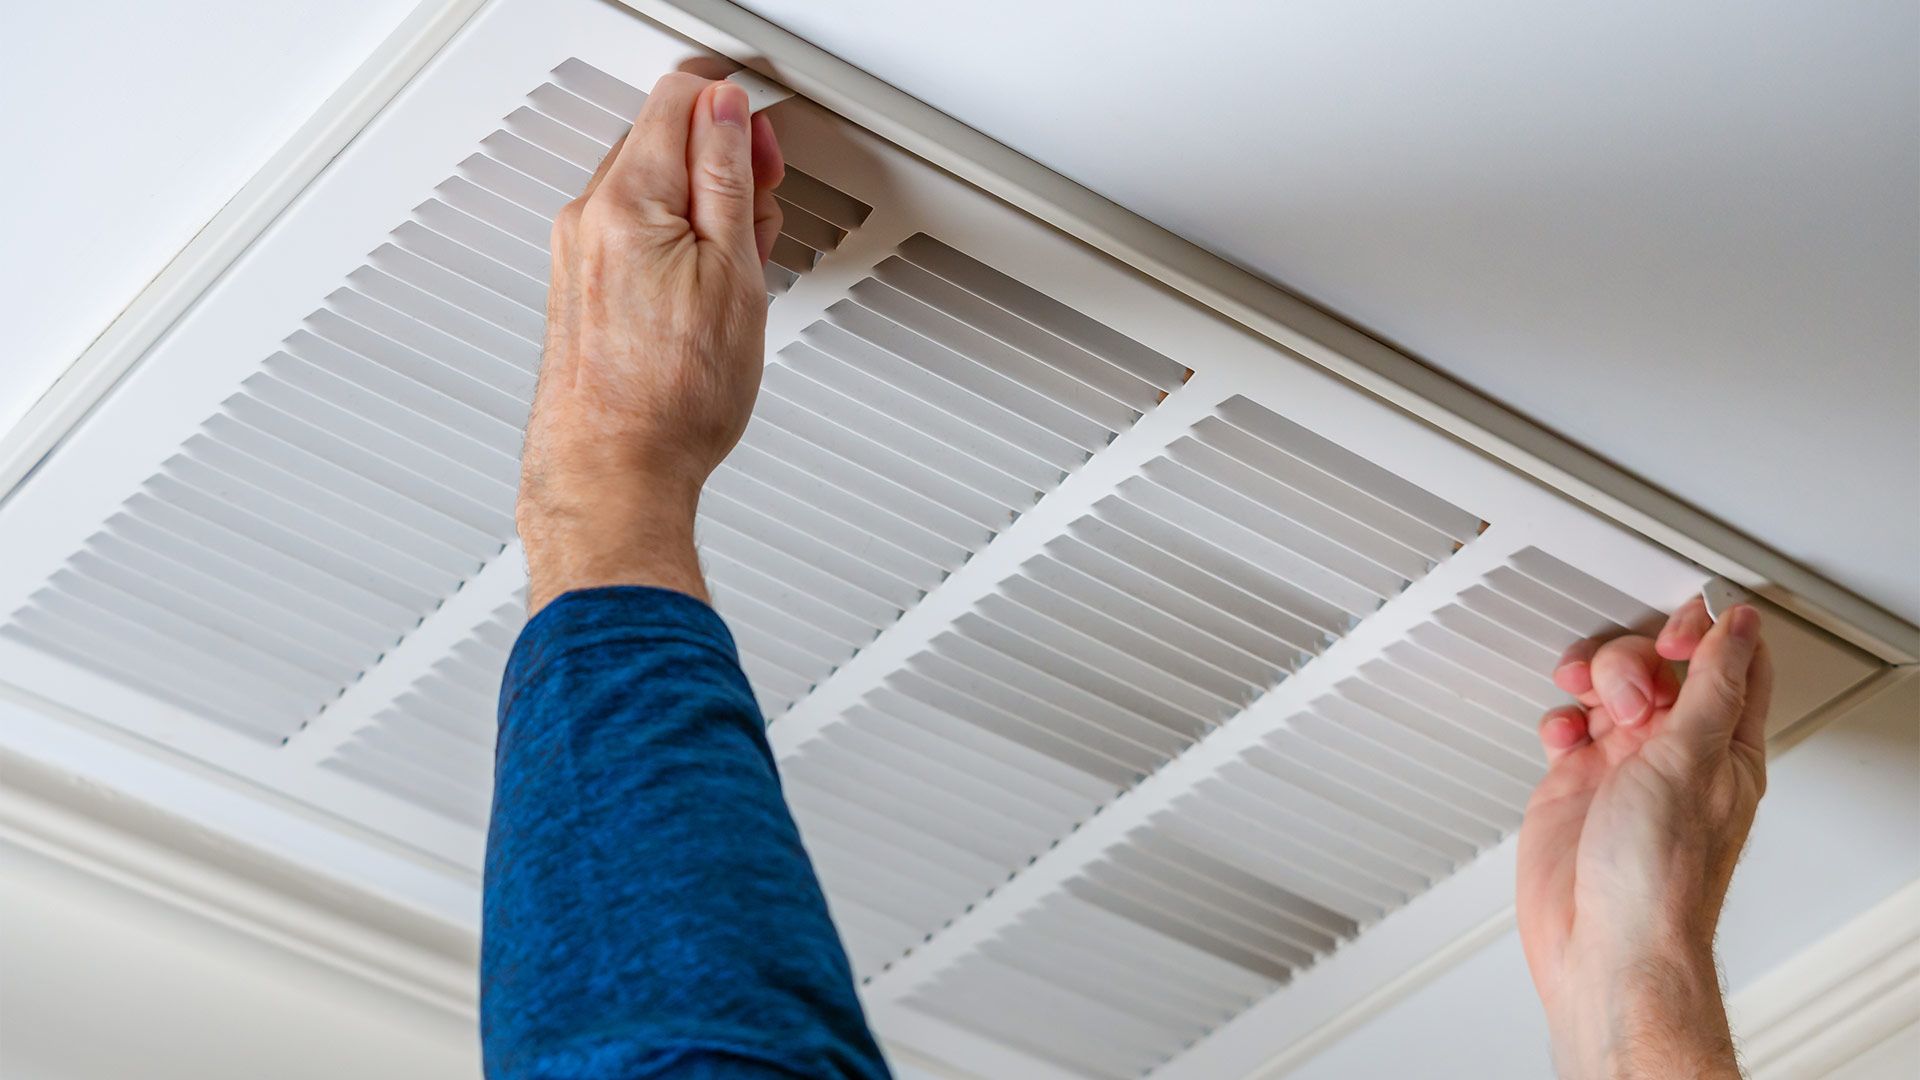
(1134, 681)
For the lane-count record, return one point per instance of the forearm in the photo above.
(1658, 1015)
(648, 903)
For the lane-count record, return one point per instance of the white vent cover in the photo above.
(1126, 672)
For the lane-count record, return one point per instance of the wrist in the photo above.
(1651, 1012)
(631, 533)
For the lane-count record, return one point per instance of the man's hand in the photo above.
(656, 325)
(1630, 842)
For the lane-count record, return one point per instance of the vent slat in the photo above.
(799, 440)
(1072, 391)
(1001, 684)
(1044, 312)
(803, 480)
(443, 573)
(459, 478)
(929, 692)
(889, 558)
(381, 333)
(559, 140)
(1192, 910)
(381, 501)
(395, 417)
(154, 656)
(514, 186)
(1128, 641)
(1042, 670)
(969, 374)
(822, 200)
(221, 601)
(558, 103)
(510, 218)
(986, 318)
(77, 645)
(602, 89)
(996, 490)
(455, 257)
(1357, 554)
(308, 355)
(1355, 867)
(430, 277)
(1352, 469)
(333, 614)
(1104, 660)
(536, 163)
(928, 481)
(934, 422)
(371, 466)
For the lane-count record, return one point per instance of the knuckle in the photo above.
(721, 179)
(566, 223)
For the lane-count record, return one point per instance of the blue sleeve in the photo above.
(648, 909)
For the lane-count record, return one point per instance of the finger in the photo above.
(1715, 697)
(1684, 630)
(652, 165)
(1624, 672)
(1751, 730)
(766, 222)
(769, 168)
(720, 163)
(1573, 673)
(1562, 731)
(1600, 722)
(606, 163)
(769, 164)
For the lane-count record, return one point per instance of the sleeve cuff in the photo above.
(623, 615)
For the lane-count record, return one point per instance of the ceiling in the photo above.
(1686, 236)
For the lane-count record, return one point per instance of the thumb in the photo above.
(1720, 690)
(720, 163)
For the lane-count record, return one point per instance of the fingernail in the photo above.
(1744, 624)
(729, 104)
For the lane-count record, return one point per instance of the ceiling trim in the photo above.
(71, 821)
(1837, 998)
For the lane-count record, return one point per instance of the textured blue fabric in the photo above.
(649, 911)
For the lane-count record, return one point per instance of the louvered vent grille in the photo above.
(1239, 554)
(368, 467)
(893, 441)
(1365, 797)
(434, 744)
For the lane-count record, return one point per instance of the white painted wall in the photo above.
(1684, 235)
(98, 982)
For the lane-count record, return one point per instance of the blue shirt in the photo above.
(648, 908)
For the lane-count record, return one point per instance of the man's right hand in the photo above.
(656, 327)
(1630, 841)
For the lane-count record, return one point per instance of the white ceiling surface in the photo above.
(1686, 236)
(132, 124)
